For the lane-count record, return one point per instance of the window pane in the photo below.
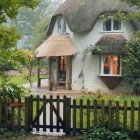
(107, 25)
(59, 26)
(63, 26)
(117, 25)
(107, 62)
(116, 65)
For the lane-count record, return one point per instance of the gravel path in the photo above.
(44, 90)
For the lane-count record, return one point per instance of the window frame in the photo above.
(101, 66)
(112, 25)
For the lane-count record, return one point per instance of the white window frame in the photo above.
(101, 66)
(112, 25)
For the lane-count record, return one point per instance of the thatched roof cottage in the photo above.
(76, 26)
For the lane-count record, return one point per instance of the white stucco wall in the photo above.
(91, 68)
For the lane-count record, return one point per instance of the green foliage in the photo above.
(133, 2)
(102, 133)
(133, 16)
(11, 90)
(6, 133)
(132, 68)
(9, 8)
(40, 32)
(28, 18)
(10, 55)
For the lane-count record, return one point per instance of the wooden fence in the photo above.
(76, 117)
(111, 114)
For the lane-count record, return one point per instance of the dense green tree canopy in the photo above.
(9, 54)
(9, 8)
(28, 18)
(40, 32)
(132, 67)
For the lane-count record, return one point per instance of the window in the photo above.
(61, 25)
(111, 25)
(110, 65)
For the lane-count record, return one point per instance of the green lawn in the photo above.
(120, 97)
(106, 98)
(20, 79)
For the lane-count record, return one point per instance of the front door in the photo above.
(62, 71)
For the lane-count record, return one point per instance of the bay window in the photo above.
(110, 65)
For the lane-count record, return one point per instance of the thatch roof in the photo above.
(81, 15)
(56, 45)
(110, 44)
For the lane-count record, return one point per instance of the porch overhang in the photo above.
(110, 44)
(56, 45)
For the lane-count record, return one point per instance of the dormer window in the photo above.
(112, 25)
(61, 25)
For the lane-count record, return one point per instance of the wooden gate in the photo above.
(48, 113)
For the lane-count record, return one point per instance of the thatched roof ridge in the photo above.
(81, 15)
(110, 44)
(56, 45)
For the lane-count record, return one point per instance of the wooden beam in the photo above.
(68, 72)
(38, 73)
(50, 75)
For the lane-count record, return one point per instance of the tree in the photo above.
(132, 59)
(40, 32)
(9, 54)
(28, 18)
(133, 2)
(9, 8)
(30, 60)
(132, 67)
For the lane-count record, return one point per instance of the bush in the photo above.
(6, 133)
(13, 90)
(102, 133)
(132, 60)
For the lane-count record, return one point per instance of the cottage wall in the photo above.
(90, 80)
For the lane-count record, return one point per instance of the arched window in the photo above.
(61, 25)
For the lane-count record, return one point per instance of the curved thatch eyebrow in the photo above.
(81, 15)
(110, 44)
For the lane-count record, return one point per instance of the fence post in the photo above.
(30, 111)
(27, 114)
(67, 115)
(12, 115)
(74, 117)
(139, 119)
(64, 113)
(0, 110)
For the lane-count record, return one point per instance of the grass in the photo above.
(106, 98)
(21, 79)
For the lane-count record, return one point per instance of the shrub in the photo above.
(102, 133)
(6, 133)
(13, 90)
